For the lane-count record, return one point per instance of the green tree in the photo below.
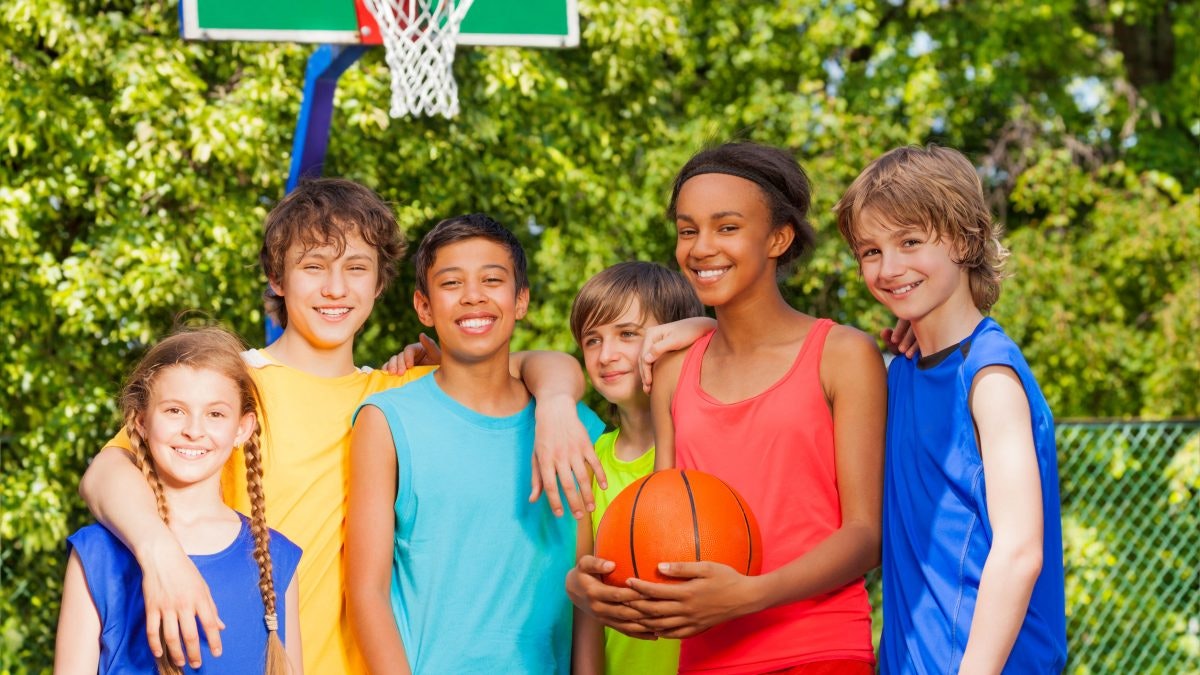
(136, 170)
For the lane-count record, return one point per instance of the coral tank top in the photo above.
(776, 449)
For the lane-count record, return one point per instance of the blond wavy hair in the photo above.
(933, 189)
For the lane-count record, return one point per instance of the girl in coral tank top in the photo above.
(787, 408)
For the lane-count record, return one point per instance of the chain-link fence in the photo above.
(1131, 516)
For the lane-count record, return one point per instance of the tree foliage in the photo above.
(137, 169)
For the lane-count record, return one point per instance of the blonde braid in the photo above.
(145, 463)
(277, 663)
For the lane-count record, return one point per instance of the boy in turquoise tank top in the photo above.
(450, 568)
(608, 319)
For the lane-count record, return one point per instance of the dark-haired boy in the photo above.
(329, 250)
(450, 569)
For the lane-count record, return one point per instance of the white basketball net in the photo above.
(419, 37)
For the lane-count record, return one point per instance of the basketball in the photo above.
(677, 516)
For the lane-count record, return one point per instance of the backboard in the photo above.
(521, 23)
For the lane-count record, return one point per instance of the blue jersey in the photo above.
(115, 583)
(477, 571)
(936, 529)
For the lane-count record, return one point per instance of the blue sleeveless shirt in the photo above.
(115, 583)
(477, 571)
(936, 529)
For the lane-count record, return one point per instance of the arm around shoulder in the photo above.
(669, 337)
(176, 594)
(662, 395)
(118, 495)
(563, 452)
(370, 537)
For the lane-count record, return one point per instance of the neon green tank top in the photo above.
(623, 654)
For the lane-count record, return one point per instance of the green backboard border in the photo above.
(552, 23)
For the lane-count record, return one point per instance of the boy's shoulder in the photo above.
(380, 380)
(394, 392)
(988, 345)
(991, 346)
(270, 373)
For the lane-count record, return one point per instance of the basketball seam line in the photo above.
(633, 521)
(746, 520)
(695, 520)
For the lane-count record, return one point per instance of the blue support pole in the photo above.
(311, 140)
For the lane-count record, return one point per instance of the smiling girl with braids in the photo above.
(187, 406)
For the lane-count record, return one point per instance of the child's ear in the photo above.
(781, 239)
(139, 425)
(424, 310)
(276, 286)
(246, 427)
(522, 303)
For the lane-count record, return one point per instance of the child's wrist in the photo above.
(758, 594)
(151, 545)
(555, 404)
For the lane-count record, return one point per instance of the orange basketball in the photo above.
(677, 516)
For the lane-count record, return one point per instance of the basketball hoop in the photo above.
(419, 37)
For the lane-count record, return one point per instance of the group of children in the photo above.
(421, 552)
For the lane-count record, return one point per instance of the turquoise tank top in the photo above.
(477, 571)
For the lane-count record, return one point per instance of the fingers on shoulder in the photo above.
(668, 366)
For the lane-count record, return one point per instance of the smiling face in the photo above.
(725, 243)
(328, 295)
(912, 272)
(191, 424)
(610, 355)
(472, 302)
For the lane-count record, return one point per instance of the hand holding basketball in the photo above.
(607, 603)
(703, 595)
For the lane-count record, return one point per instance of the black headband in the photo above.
(753, 176)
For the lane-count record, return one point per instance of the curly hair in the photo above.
(323, 212)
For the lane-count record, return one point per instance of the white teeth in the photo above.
(905, 288)
(709, 274)
(476, 323)
(191, 452)
(333, 312)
